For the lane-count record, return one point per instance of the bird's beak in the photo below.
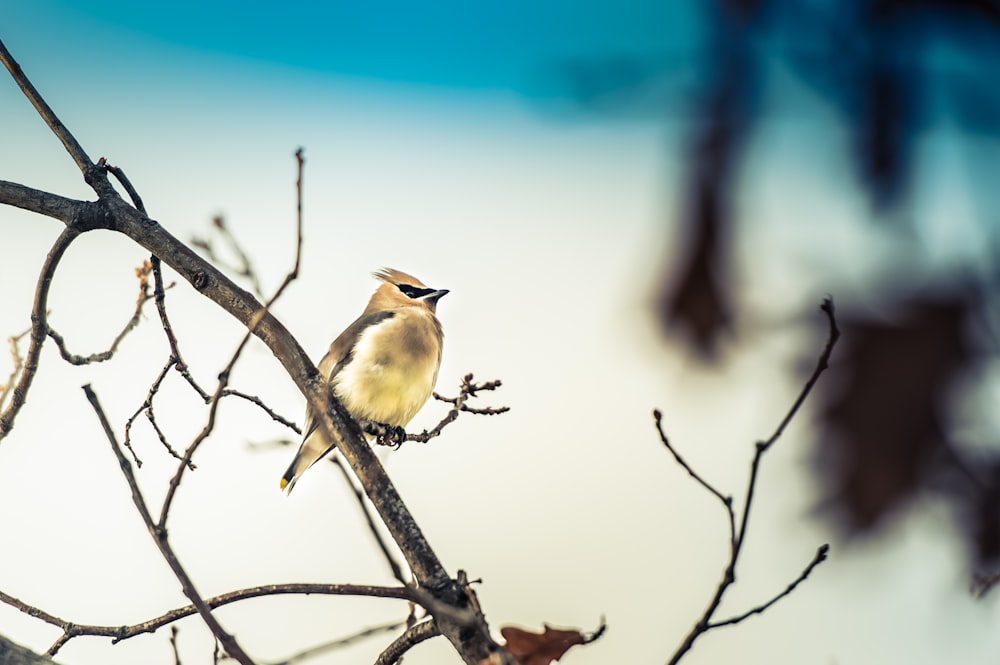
(434, 296)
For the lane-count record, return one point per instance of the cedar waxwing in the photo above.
(383, 366)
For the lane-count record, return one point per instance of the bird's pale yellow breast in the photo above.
(393, 369)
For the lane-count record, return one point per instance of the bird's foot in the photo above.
(385, 435)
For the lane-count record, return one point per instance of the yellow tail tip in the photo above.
(284, 483)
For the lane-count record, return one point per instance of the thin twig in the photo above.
(206, 431)
(160, 298)
(463, 581)
(983, 583)
(173, 645)
(254, 399)
(726, 501)
(397, 571)
(72, 146)
(467, 389)
(176, 362)
(704, 624)
(763, 446)
(146, 408)
(118, 633)
(162, 436)
(821, 366)
(227, 371)
(421, 632)
(340, 643)
(142, 273)
(58, 644)
(39, 324)
(244, 267)
(35, 612)
(159, 535)
(820, 557)
(143, 407)
(465, 616)
(119, 174)
(17, 363)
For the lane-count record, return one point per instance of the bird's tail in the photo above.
(288, 480)
(313, 449)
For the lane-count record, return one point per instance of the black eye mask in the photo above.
(413, 291)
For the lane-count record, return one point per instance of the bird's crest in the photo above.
(393, 276)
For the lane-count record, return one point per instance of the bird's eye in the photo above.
(413, 291)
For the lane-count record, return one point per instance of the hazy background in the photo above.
(458, 143)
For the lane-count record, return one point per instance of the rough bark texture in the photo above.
(15, 654)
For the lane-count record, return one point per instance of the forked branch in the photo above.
(738, 533)
(159, 536)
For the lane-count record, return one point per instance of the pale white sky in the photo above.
(549, 232)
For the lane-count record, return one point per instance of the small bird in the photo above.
(383, 366)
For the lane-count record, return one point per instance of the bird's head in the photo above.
(399, 289)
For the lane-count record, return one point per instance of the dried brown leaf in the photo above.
(540, 648)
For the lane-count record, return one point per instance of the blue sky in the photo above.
(500, 45)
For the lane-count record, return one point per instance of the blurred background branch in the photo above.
(899, 85)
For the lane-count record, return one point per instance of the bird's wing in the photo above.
(340, 353)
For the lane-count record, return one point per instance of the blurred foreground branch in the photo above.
(739, 523)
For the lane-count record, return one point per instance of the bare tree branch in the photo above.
(159, 534)
(822, 364)
(820, 557)
(69, 142)
(142, 272)
(119, 175)
(705, 624)
(227, 371)
(254, 399)
(413, 636)
(473, 643)
(43, 203)
(467, 389)
(340, 643)
(763, 446)
(143, 407)
(244, 267)
(16, 364)
(39, 326)
(73, 629)
(176, 362)
(397, 571)
(173, 645)
(160, 298)
(727, 501)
